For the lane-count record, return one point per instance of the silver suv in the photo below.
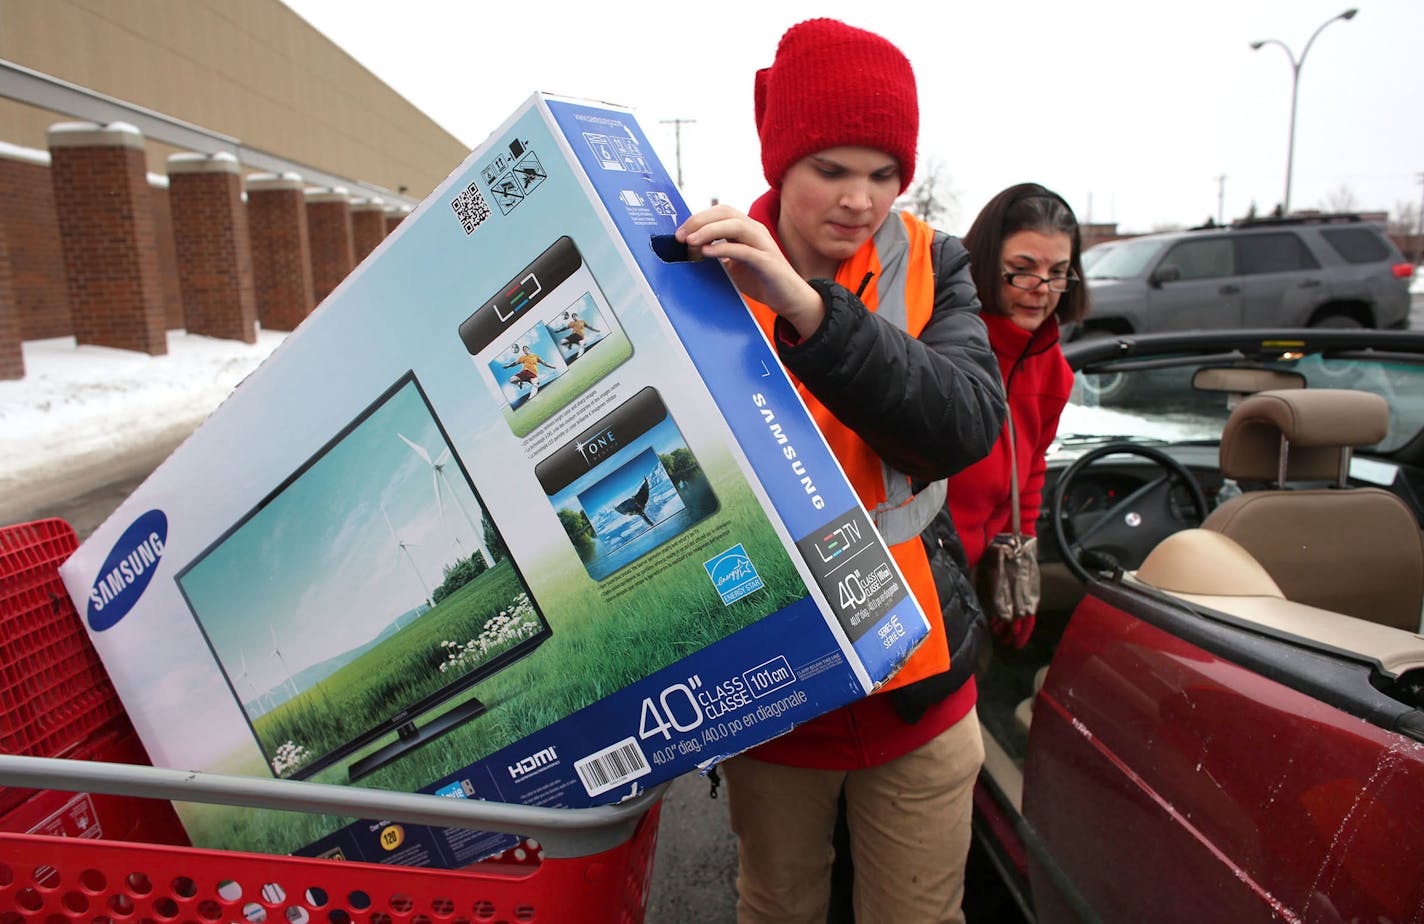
(1327, 271)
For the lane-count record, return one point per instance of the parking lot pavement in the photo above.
(695, 867)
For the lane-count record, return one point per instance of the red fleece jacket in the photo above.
(1037, 381)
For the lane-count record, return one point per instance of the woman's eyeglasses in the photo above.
(1031, 281)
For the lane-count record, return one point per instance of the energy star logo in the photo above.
(733, 574)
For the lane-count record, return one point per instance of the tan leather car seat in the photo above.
(1357, 551)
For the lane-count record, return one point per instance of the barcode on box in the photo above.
(470, 207)
(612, 767)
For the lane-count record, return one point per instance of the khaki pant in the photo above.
(909, 832)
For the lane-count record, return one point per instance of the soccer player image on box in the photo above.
(556, 308)
(528, 374)
(536, 363)
(577, 330)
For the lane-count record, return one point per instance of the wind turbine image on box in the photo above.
(288, 681)
(437, 481)
(255, 695)
(404, 547)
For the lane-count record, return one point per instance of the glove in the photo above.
(1013, 632)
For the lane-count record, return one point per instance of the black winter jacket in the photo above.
(929, 406)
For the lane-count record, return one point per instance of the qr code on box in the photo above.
(470, 207)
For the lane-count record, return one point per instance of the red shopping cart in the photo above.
(125, 860)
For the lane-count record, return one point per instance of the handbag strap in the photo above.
(1013, 472)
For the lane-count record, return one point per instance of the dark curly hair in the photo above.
(1025, 207)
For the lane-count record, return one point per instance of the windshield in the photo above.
(1092, 255)
(1124, 260)
(1162, 403)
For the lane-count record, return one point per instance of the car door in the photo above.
(1194, 286)
(1183, 769)
(1281, 281)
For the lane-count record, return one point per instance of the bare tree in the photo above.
(1340, 199)
(931, 198)
(1404, 219)
(1407, 230)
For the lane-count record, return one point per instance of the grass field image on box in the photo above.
(387, 515)
(596, 648)
(489, 615)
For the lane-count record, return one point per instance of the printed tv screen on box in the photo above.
(522, 512)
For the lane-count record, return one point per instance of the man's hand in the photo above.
(756, 264)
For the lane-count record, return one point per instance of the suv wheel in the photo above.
(1102, 389)
(1338, 321)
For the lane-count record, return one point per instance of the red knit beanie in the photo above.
(831, 85)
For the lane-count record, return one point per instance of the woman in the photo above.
(875, 318)
(1026, 259)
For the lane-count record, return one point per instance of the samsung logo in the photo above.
(127, 571)
(798, 466)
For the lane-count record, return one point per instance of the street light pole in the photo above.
(1419, 235)
(1296, 64)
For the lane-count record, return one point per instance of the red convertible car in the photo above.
(1220, 715)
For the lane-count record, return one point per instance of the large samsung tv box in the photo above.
(522, 512)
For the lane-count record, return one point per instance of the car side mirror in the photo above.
(1166, 273)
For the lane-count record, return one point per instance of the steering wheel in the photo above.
(1123, 534)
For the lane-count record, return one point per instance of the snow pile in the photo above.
(79, 408)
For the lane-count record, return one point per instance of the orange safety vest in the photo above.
(901, 290)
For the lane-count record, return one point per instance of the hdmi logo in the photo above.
(535, 761)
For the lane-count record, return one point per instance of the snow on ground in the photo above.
(1170, 426)
(78, 408)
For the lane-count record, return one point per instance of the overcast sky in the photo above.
(1130, 108)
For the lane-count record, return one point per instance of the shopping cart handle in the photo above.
(561, 832)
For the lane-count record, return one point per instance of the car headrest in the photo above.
(1317, 423)
(1206, 562)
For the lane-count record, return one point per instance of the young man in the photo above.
(876, 318)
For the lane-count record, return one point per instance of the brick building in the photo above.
(1098, 232)
(186, 100)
